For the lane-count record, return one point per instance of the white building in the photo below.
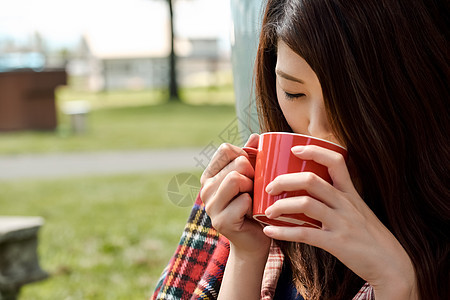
(134, 54)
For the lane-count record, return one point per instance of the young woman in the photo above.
(373, 76)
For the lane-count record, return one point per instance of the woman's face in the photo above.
(300, 95)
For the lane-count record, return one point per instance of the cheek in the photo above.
(294, 113)
(281, 102)
(284, 105)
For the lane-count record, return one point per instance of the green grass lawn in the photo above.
(109, 237)
(133, 120)
(103, 237)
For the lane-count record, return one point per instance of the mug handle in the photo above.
(252, 153)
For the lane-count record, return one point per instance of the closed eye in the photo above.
(293, 96)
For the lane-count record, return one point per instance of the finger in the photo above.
(311, 207)
(301, 234)
(334, 161)
(252, 141)
(231, 186)
(247, 223)
(241, 164)
(310, 182)
(232, 214)
(223, 156)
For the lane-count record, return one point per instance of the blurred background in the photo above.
(109, 112)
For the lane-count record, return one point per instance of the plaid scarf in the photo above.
(196, 269)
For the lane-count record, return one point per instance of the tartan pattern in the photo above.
(365, 293)
(209, 285)
(272, 272)
(196, 269)
(198, 264)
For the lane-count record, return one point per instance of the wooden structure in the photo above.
(27, 99)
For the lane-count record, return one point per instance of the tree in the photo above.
(173, 84)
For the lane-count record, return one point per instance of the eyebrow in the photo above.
(287, 76)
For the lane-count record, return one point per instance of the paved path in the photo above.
(97, 163)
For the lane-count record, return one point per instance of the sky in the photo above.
(61, 22)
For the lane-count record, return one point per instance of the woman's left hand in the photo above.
(350, 230)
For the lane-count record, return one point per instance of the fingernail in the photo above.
(269, 188)
(297, 149)
(250, 137)
(268, 213)
(269, 230)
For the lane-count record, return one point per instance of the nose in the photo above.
(318, 125)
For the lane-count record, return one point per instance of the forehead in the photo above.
(291, 63)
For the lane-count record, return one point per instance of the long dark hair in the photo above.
(384, 71)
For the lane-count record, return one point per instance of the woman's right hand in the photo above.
(227, 185)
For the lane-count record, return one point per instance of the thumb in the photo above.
(252, 141)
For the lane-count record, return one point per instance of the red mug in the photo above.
(274, 157)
